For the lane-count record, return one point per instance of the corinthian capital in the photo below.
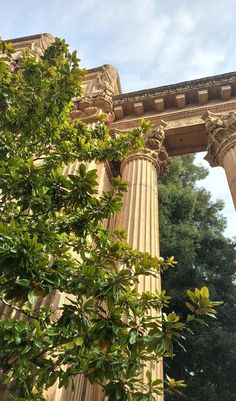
(156, 137)
(154, 151)
(221, 130)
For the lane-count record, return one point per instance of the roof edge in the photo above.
(186, 84)
(27, 38)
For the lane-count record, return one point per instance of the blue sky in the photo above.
(150, 42)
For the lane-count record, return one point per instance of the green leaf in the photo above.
(132, 337)
(82, 170)
(17, 339)
(31, 297)
(78, 341)
(204, 292)
(190, 306)
(23, 282)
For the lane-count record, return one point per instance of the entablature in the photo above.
(185, 129)
(181, 106)
(180, 95)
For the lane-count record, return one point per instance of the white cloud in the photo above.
(185, 22)
(204, 62)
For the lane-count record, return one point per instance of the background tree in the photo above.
(191, 226)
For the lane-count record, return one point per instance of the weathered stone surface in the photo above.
(221, 148)
(139, 214)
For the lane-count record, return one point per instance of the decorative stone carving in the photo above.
(39, 46)
(107, 82)
(155, 147)
(105, 86)
(221, 131)
(153, 151)
(92, 114)
(36, 48)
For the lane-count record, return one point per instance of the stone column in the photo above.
(82, 389)
(221, 148)
(139, 215)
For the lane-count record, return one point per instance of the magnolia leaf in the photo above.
(31, 297)
(82, 170)
(204, 292)
(190, 306)
(78, 341)
(23, 282)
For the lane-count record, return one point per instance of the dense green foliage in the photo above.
(52, 240)
(192, 228)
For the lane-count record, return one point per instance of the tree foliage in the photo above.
(192, 227)
(52, 241)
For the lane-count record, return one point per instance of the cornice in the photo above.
(170, 99)
(27, 38)
(175, 118)
(178, 87)
(185, 130)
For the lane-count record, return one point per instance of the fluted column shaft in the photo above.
(139, 215)
(229, 164)
(221, 149)
(82, 390)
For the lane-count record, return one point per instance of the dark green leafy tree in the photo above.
(52, 240)
(192, 228)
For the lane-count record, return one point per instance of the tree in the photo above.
(52, 239)
(191, 225)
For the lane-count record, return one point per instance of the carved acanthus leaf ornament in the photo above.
(221, 131)
(153, 151)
